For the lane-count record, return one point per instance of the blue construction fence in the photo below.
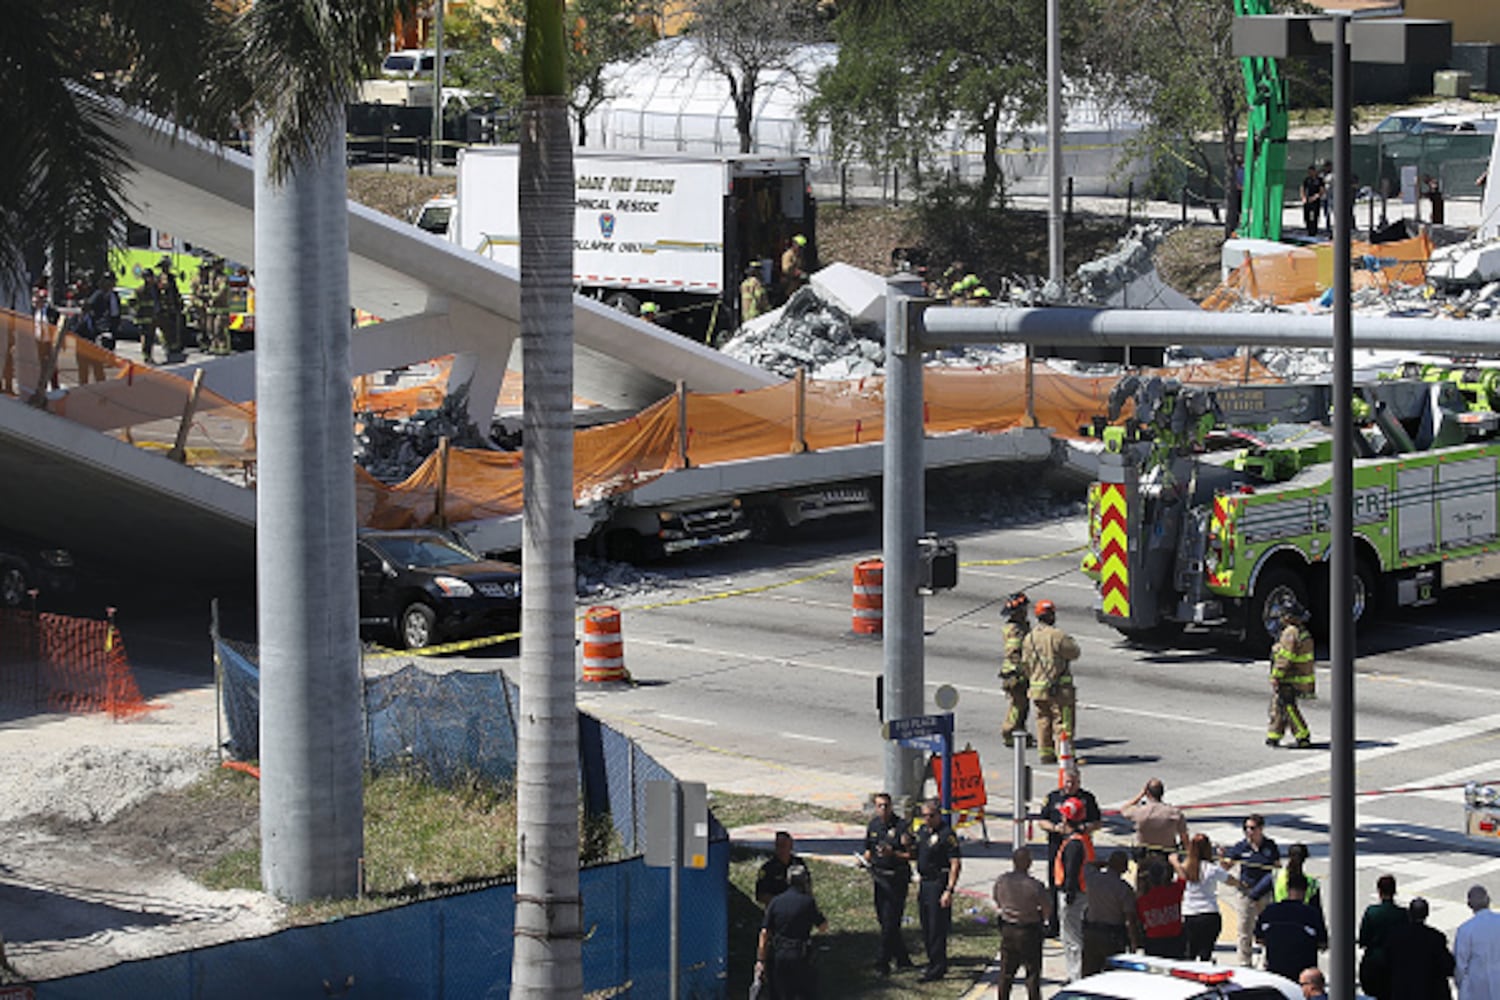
(454, 948)
(455, 723)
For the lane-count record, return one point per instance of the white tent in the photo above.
(672, 101)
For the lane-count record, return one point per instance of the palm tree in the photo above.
(305, 59)
(61, 181)
(549, 914)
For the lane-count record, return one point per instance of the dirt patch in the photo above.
(398, 195)
(101, 837)
(1188, 260)
(185, 828)
(865, 236)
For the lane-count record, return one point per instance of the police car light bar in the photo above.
(1208, 977)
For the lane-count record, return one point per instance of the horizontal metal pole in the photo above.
(951, 326)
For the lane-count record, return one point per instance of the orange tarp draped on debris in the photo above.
(738, 425)
(144, 406)
(406, 400)
(1294, 276)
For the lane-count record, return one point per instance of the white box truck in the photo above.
(679, 231)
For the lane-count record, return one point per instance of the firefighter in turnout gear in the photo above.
(1292, 678)
(1048, 653)
(1012, 669)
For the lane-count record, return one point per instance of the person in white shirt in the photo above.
(1200, 901)
(1476, 950)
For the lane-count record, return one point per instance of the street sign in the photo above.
(930, 742)
(918, 725)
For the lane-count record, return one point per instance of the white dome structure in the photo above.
(672, 101)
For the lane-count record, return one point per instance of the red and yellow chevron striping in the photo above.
(1114, 560)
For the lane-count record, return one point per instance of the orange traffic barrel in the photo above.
(869, 597)
(603, 645)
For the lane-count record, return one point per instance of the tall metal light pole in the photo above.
(437, 86)
(1389, 40)
(1341, 821)
(903, 498)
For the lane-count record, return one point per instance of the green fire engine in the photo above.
(1212, 504)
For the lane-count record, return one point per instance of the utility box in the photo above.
(937, 564)
(1451, 83)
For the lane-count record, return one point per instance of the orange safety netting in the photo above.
(63, 664)
(135, 403)
(1304, 273)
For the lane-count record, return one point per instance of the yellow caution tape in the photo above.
(380, 652)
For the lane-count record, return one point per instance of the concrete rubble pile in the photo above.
(1101, 279)
(392, 449)
(814, 333)
(834, 326)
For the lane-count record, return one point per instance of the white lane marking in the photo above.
(810, 739)
(1423, 682)
(1190, 720)
(685, 718)
(1234, 785)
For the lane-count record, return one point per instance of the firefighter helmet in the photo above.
(1294, 610)
(1071, 809)
(1045, 607)
(1016, 602)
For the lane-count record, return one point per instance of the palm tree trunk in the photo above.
(549, 914)
(312, 736)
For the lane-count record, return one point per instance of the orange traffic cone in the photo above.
(1064, 756)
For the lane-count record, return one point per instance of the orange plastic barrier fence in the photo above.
(869, 597)
(603, 646)
(406, 400)
(62, 664)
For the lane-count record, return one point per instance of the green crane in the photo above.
(1265, 144)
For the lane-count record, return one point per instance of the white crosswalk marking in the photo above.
(1306, 765)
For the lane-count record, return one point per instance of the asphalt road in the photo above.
(762, 688)
(747, 677)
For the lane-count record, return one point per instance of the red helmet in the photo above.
(1045, 608)
(1071, 809)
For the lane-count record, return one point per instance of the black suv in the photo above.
(26, 563)
(425, 587)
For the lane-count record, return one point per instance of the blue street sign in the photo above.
(919, 725)
(930, 742)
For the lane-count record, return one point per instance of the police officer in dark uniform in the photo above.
(938, 865)
(771, 881)
(785, 949)
(889, 848)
